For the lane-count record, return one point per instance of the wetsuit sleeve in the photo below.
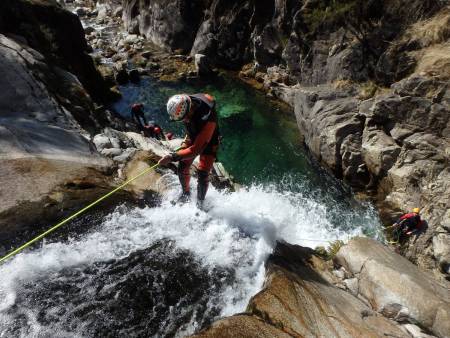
(201, 141)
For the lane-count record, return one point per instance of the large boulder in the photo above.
(299, 300)
(242, 326)
(202, 65)
(45, 154)
(395, 287)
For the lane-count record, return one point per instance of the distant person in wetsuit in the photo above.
(408, 224)
(198, 113)
(149, 128)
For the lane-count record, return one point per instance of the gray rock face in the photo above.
(58, 35)
(395, 287)
(441, 249)
(40, 137)
(379, 150)
(417, 118)
(332, 128)
(170, 24)
(396, 143)
(32, 121)
(270, 32)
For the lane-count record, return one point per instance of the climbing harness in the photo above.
(16, 251)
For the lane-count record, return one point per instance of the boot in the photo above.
(185, 197)
(184, 177)
(202, 186)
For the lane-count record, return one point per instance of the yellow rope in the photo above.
(16, 251)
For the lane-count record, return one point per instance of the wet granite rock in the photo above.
(41, 135)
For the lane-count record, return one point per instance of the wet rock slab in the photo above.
(299, 299)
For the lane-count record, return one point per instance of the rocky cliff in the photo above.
(368, 80)
(48, 85)
(58, 35)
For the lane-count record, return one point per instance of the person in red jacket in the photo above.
(148, 128)
(409, 223)
(198, 113)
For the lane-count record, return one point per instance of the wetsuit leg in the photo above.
(204, 168)
(184, 175)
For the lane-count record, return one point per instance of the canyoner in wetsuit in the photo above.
(199, 115)
(149, 128)
(138, 117)
(408, 224)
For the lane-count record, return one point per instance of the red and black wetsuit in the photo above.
(202, 139)
(410, 222)
(138, 117)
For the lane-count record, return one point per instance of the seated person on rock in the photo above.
(199, 116)
(409, 223)
(149, 128)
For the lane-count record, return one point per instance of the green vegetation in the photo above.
(368, 90)
(330, 12)
(330, 252)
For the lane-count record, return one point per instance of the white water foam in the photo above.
(239, 231)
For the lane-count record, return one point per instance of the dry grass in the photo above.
(435, 61)
(368, 90)
(343, 84)
(432, 31)
(330, 252)
(431, 37)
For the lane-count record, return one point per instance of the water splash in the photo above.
(224, 249)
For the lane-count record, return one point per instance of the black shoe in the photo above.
(184, 198)
(200, 204)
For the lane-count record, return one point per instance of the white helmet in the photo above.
(178, 106)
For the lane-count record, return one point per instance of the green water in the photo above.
(261, 144)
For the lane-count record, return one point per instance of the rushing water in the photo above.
(168, 271)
